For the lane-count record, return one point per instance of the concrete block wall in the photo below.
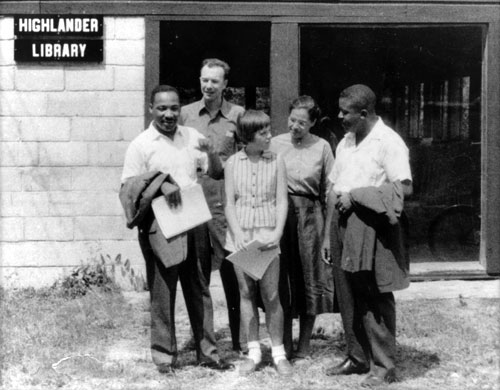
(64, 130)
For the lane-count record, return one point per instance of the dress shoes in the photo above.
(246, 367)
(348, 367)
(376, 379)
(283, 367)
(166, 368)
(220, 365)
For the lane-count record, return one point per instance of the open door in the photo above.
(428, 83)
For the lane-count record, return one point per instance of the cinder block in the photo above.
(46, 179)
(66, 103)
(129, 28)
(93, 178)
(109, 27)
(129, 78)
(12, 229)
(121, 103)
(10, 179)
(39, 79)
(48, 228)
(106, 128)
(132, 127)
(6, 28)
(107, 154)
(84, 203)
(63, 154)
(9, 129)
(7, 52)
(18, 154)
(35, 277)
(6, 78)
(14, 103)
(24, 204)
(124, 52)
(45, 129)
(102, 228)
(67, 253)
(95, 129)
(89, 79)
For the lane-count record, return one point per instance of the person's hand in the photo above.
(272, 241)
(240, 241)
(205, 145)
(344, 203)
(325, 251)
(172, 194)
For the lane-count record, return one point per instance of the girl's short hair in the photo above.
(308, 103)
(251, 122)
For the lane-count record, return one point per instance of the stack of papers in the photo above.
(253, 261)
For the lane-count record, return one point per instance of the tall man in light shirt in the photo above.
(216, 118)
(371, 176)
(180, 152)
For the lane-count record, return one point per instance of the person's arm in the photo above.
(281, 203)
(215, 170)
(230, 209)
(326, 242)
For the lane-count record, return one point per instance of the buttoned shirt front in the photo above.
(220, 129)
(382, 157)
(153, 151)
(255, 189)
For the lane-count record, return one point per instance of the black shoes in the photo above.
(348, 367)
(220, 365)
(376, 379)
(165, 368)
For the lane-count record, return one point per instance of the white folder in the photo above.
(192, 211)
(253, 261)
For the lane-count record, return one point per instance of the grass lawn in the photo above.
(101, 341)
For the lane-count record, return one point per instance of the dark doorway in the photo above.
(428, 83)
(243, 45)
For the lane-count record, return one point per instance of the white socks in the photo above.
(254, 351)
(278, 353)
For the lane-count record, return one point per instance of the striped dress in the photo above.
(255, 193)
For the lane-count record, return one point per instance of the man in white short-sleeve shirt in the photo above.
(371, 155)
(180, 152)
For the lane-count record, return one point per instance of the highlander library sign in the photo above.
(58, 38)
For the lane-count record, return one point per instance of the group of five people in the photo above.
(336, 221)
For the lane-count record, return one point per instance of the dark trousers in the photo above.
(193, 274)
(373, 318)
(345, 300)
(216, 229)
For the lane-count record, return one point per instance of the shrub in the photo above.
(85, 277)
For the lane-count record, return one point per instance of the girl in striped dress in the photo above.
(256, 208)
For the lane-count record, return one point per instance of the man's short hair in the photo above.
(162, 88)
(361, 97)
(250, 123)
(213, 62)
(308, 103)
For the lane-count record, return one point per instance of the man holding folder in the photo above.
(162, 157)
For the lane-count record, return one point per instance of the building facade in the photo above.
(64, 127)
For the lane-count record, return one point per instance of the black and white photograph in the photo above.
(243, 195)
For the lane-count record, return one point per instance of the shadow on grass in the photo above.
(414, 363)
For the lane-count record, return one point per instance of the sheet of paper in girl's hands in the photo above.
(253, 261)
(192, 211)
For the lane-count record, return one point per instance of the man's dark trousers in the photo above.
(162, 282)
(373, 320)
(216, 229)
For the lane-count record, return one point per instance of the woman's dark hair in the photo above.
(308, 103)
(251, 122)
